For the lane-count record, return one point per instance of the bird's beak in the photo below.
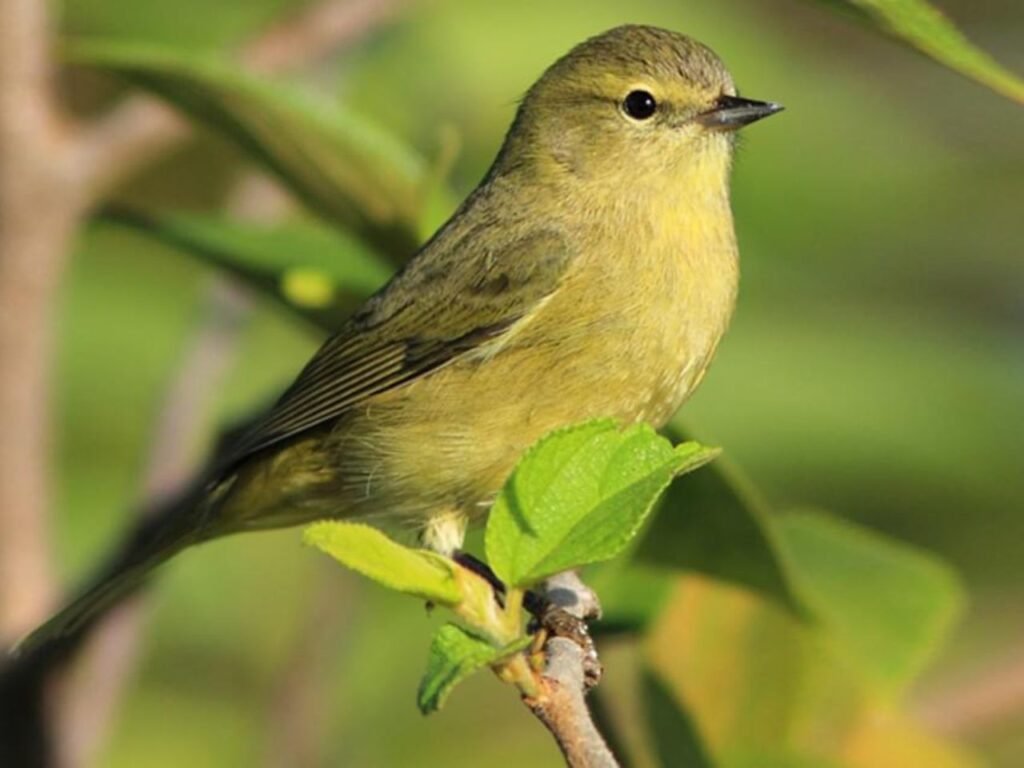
(733, 112)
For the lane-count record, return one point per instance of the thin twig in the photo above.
(317, 31)
(561, 705)
(297, 720)
(90, 698)
(969, 709)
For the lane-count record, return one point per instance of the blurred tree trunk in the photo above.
(38, 205)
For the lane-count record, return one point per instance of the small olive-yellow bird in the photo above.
(592, 273)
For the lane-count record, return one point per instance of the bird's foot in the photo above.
(552, 620)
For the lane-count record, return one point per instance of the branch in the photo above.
(980, 704)
(317, 31)
(34, 230)
(50, 174)
(90, 697)
(569, 672)
(89, 701)
(140, 128)
(297, 718)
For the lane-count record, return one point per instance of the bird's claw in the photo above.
(550, 620)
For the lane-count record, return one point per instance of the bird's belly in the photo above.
(451, 439)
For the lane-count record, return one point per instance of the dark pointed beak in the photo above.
(732, 112)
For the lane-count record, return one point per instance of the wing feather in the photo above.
(452, 298)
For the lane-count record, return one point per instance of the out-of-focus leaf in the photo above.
(922, 26)
(578, 496)
(712, 522)
(454, 655)
(602, 703)
(318, 272)
(735, 661)
(888, 606)
(763, 689)
(891, 739)
(416, 572)
(768, 759)
(675, 736)
(341, 166)
(632, 594)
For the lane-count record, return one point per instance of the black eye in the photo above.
(639, 105)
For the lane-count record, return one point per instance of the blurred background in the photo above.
(875, 367)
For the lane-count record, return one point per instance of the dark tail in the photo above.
(169, 527)
(156, 539)
(166, 527)
(24, 736)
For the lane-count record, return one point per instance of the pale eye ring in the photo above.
(640, 104)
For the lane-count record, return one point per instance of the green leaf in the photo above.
(318, 272)
(922, 26)
(454, 655)
(578, 496)
(342, 167)
(632, 595)
(887, 605)
(364, 549)
(714, 523)
(675, 735)
(763, 688)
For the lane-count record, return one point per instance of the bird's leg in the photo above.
(483, 570)
(444, 531)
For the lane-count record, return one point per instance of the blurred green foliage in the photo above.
(874, 368)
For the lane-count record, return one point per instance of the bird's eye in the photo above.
(640, 105)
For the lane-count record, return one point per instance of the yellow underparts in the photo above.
(444, 532)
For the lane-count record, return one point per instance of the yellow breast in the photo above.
(628, 334)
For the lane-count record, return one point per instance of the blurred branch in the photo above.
(89, 700)
(90, 697)
(139, 129)
(318, 30)
(36, 223)
(567, 676)
(297, 718)
(49, 177)
(986, 701)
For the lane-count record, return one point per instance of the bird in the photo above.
(591, 274)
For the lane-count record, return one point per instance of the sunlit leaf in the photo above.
(454, 655)
(764, 758)
(919, 24)
(714, 523)
(766, 690)
(632, 594)
(887, 605)
(341, 166)
(364, 549)
(675, 737)
(892, 739)
(578, 496)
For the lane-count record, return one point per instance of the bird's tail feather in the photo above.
(155, 540)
